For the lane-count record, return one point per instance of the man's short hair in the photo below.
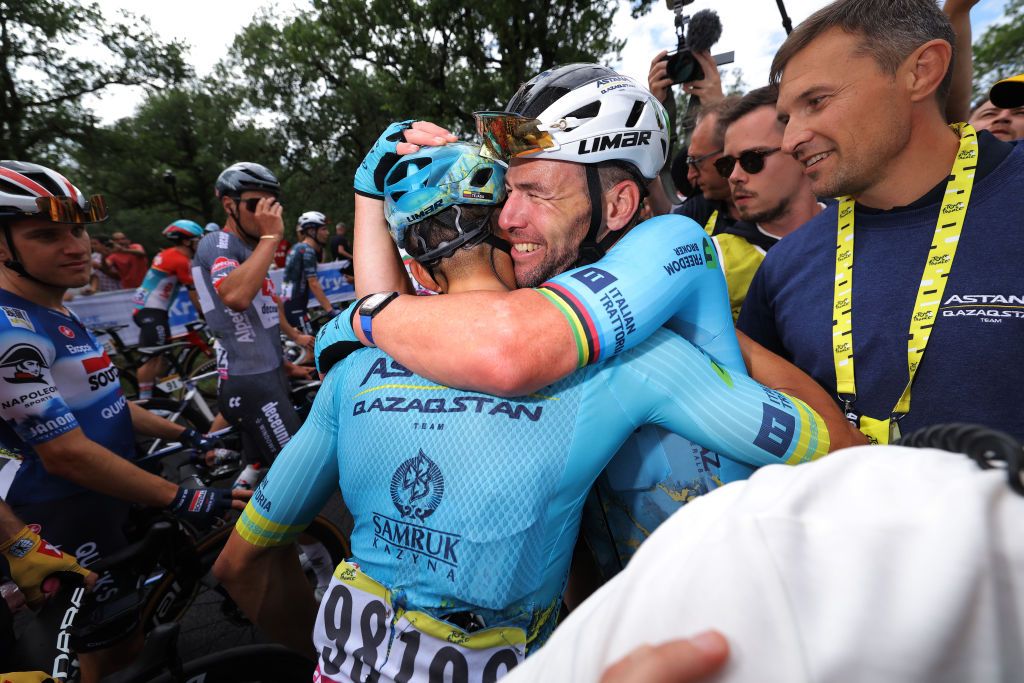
(717, 109)
(768, 96)
(891, 30)
(433, 232)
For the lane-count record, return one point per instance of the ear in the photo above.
(228, 203)
(620, 203)
(926, 67)
(423, 276)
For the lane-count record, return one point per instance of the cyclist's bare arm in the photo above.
(500, 343)
(776, 372)
(377, 264)
(318, 292)
(10, 525)
(149, 424)
(79, 459)
(268, 584)
(241, 286)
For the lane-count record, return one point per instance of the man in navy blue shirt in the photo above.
(920, 319)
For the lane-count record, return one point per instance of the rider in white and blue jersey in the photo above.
(467, 506)
(66, 430)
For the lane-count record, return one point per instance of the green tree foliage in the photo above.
(53, 53)
(193, 131)
(999, 52)
(333, 77)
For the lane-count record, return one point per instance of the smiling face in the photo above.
(59, 254)
(1005, 124)
(845, 118)
(545, 217)
(766, 195)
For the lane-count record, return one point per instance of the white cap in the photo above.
(875, 564)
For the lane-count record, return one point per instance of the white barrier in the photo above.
(115, 308)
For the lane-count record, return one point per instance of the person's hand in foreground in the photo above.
(677, 661)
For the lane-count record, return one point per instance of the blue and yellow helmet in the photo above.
(436, 178)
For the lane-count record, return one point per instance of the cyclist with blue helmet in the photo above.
(170, 270)
(467, 506)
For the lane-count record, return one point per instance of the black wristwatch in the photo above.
(370, 307)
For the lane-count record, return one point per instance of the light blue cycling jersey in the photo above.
(664, 271)
(465, 502)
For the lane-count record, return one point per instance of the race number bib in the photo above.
(360, 636)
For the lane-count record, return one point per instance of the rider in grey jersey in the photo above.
(237, 298)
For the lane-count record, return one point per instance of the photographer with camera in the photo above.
(693, 67)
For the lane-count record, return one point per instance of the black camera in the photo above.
(696, 34)
(682, 67)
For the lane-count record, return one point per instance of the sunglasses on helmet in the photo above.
(68, 210)
(751, 161)
(507, 136)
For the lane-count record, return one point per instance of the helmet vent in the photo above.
(481, 177)
(634, 114)
(588, 111)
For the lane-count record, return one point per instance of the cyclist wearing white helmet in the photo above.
(582, 141)
(66, 431)
(171, 270)
(300, 274)
(463, 558)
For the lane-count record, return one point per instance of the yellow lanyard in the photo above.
(929, 293)
(709, 227)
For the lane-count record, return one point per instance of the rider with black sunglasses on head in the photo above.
(771, 195)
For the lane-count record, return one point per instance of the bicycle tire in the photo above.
(197, 362)
(266, 663)
(209, 618)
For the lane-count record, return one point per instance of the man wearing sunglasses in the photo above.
(230, 272)
(712, 206)
(66, 431)
(769, 190)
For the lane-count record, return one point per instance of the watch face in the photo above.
(370, 305)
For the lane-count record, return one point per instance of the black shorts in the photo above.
(261, 407)
(154, 330)
(297, 316)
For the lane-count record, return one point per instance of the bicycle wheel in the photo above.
(248, 664)
(210, 620)
(198, 363)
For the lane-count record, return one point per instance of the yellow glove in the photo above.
(32, 560)
(26, 677)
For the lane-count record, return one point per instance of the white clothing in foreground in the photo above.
(875, 564)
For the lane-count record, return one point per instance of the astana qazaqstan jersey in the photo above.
(467, 506)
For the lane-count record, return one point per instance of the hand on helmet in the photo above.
(402, 137)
